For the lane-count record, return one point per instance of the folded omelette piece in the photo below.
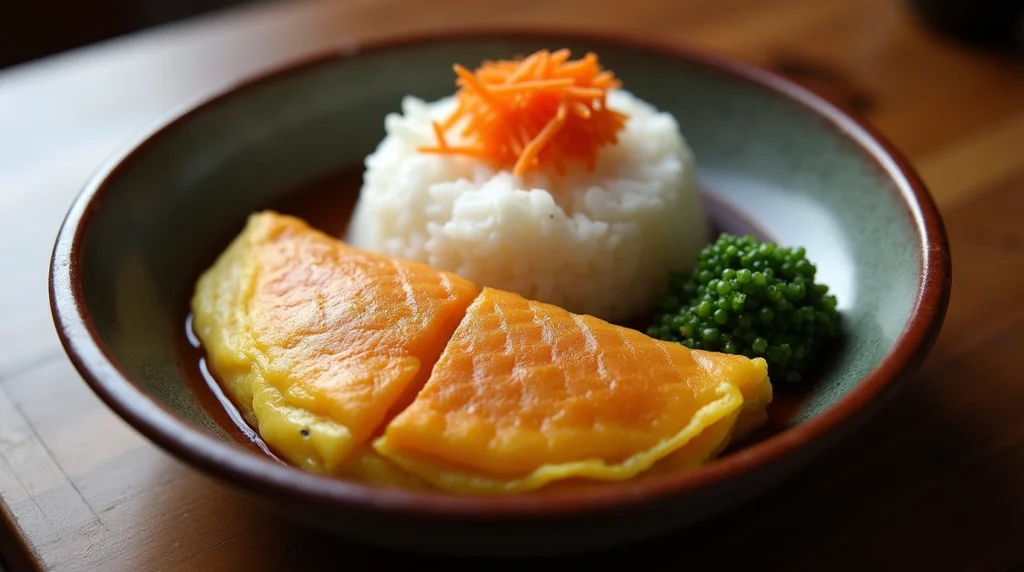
(526, 394)
(318, 343)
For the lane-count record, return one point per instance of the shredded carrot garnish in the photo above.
(542, 110)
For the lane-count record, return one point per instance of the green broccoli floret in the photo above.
(751, 298)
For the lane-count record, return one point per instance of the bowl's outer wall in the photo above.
(186, 193)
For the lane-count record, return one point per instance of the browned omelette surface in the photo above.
(328, 349)
(317, 341)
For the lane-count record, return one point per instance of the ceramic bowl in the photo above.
(136, 238)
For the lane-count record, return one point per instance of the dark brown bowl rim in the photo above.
(264, 476)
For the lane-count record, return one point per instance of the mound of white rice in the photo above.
(598, 243)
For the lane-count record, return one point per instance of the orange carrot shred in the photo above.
(541, 69)
(472, 83)
(472, 151)
(524, 69)
(587, 92)
(560, 56)
(541, 111)
(533, 85)
(439, 132)
(447, 124)
(581, 110)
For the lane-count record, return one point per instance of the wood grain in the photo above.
(933, 483)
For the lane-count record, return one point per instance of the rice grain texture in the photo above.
(599, 243)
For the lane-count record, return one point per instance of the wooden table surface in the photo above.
(936, 482)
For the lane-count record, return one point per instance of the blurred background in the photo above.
(31, 30)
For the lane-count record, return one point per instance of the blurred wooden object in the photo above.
(30, 30)
(933, 483)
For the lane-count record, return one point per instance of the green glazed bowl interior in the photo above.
(134, 242)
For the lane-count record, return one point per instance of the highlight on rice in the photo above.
(579, 196)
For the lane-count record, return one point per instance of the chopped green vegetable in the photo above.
(752, 298)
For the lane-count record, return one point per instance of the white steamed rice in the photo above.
(598, 243)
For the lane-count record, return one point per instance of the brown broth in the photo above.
(327, 204)
(210, 395)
